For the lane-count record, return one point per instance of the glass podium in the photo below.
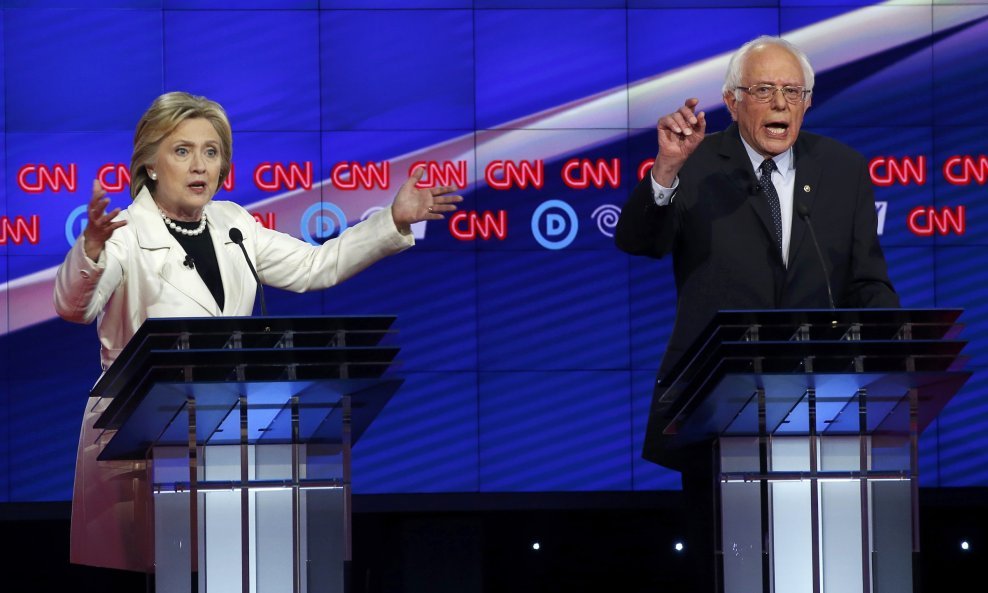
(813, 418)
(247, 425)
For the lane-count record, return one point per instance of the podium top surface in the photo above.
(269, 362)
(252, 334)
(818, 326)
(835, 360)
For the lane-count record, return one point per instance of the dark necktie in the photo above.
(766, 185)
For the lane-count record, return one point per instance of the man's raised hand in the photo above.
(680, 132)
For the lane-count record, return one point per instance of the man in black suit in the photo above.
(727, 208)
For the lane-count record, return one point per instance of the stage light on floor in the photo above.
(679, 547)
(536, 546)
(965, 546)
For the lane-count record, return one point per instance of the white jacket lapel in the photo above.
(161, 248)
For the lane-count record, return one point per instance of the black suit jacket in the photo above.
(718, 231)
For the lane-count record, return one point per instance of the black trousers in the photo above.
(699, 488)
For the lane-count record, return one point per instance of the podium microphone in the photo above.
(804, 213)
(237, 237)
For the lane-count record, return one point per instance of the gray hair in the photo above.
(735, 67)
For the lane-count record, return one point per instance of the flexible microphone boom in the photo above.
(804, 213)
(237, 237)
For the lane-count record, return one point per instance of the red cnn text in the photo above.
(965, 170)
(353, 175)
(503, 175)
(924, 221)
(18, 230)
(582, 173)
(228, 182)
(886, 171)
(266, 219)
(278, 176)
(444, 173)
(644, 167)
(113, 176)
(467, 225)
(35, 179)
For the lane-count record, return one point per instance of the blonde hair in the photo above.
(162, 117)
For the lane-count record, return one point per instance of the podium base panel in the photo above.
(259, 536)
(844, 524)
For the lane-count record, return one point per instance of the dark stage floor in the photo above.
(607, 542)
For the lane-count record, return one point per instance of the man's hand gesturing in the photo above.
(680, 133)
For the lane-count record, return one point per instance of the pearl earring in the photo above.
(154, 176)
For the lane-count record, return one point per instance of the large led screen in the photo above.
(529, 343)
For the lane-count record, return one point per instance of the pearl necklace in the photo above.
(184, 231)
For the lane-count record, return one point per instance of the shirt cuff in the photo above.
(661, 194)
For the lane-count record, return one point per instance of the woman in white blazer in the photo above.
(169, 254)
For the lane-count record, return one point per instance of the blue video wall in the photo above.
(529, 343)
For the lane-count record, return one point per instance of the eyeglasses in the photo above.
(764, 93)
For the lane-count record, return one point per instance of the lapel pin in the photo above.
(806, 189)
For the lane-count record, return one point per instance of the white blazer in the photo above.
(140, 274)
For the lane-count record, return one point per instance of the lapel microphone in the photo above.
(237, 237)
(189, 262)
(804, 213)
